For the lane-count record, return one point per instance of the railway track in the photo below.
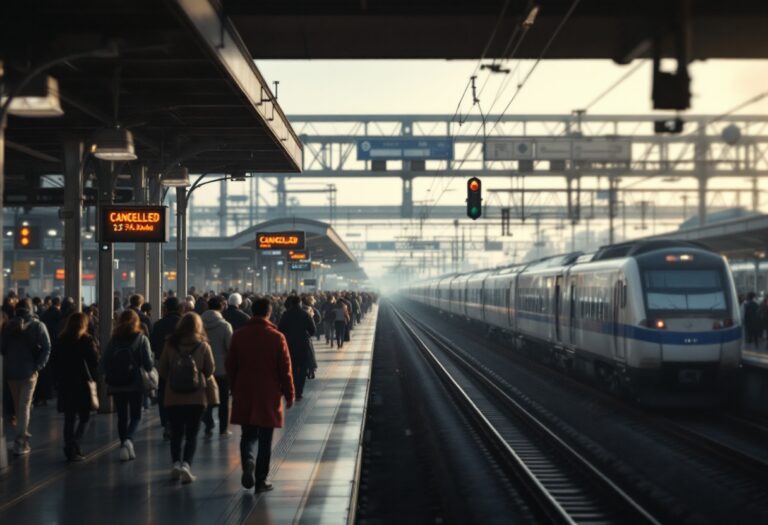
(564, 485)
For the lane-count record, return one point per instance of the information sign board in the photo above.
(133, 224)
(300, 266)
(291, 240)
(421, 148)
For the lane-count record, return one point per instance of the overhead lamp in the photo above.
(177, 177)
(531, 18)
(238, 175)
(114, 144)
(38, 98)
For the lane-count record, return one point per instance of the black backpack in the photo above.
(121, 367)
(185, 376)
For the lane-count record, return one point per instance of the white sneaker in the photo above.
(129, 446)
(124, 454)
(176, 471)
(21, 448)
(186, 474)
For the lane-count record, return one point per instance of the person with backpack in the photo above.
(75, 360)
(26, 347)
(126, 354)
(187, 366)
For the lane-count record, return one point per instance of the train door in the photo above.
(557, 305)
(572, 315)
(619, 303)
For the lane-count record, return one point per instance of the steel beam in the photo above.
(140, 197)
(154, 261)
(72, 214)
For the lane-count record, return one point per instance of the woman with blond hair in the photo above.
(187, 366)
(127, 352)
(75, 361)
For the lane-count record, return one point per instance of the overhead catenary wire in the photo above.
(520, 86)
(613, 86)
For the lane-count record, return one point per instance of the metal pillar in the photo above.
(72, 214)
(105, 182)
(3, 445)
(282, 197)
(755, 194)
(223, 209)
(611, 207)
(155, 259)
(140, 197)
(406, 210)
(181, 242)
(700, 168)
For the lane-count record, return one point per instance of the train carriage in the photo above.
(645, 316)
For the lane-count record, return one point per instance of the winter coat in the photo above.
(259, 374)
(51, 318)
(236, 317)
(142, 357)
(203, 356)
(298, 326)
(25, 352)
(72, 362)
(219, 336)
(162, 330)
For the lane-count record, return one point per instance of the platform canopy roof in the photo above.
(737, 239)
(174, 72)
(322, 242)
(619, 30)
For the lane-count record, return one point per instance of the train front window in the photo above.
(684, 291)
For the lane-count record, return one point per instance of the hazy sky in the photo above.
(557, 86)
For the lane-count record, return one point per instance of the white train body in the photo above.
(641, 315)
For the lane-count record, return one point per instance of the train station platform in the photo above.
(758, 358)
(315, 462)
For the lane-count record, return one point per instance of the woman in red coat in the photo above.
(259, 372)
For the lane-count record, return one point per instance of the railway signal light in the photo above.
(474, 198)
(26, 237)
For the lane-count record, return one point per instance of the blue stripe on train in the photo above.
(640, 333)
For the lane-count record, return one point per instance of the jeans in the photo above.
(161, 403)
(73, 434)
(223, 407)
(341, 328)
(328, 329)
(22, 391)
(185, 423)
(128, 404)
(299, 378)
(250, 436)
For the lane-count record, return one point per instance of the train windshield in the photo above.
(685, 290)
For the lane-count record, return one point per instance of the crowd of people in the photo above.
(238, 354)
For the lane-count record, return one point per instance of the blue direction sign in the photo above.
(426, 148)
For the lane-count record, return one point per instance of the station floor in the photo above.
(314, 462)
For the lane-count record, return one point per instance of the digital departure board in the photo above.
(133, 224)
(298, 255)
(280, 240)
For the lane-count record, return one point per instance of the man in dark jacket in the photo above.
(52, 317)
(160, 332)
(233, 314)
(298, 327)
(25, 348)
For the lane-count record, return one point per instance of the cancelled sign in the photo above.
(133, 224)
(280, 240)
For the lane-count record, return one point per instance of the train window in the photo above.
(675, 290)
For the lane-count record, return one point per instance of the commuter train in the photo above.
(647, 318)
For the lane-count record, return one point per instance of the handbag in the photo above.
(212, 392)
(93, 389)
(150, 379)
